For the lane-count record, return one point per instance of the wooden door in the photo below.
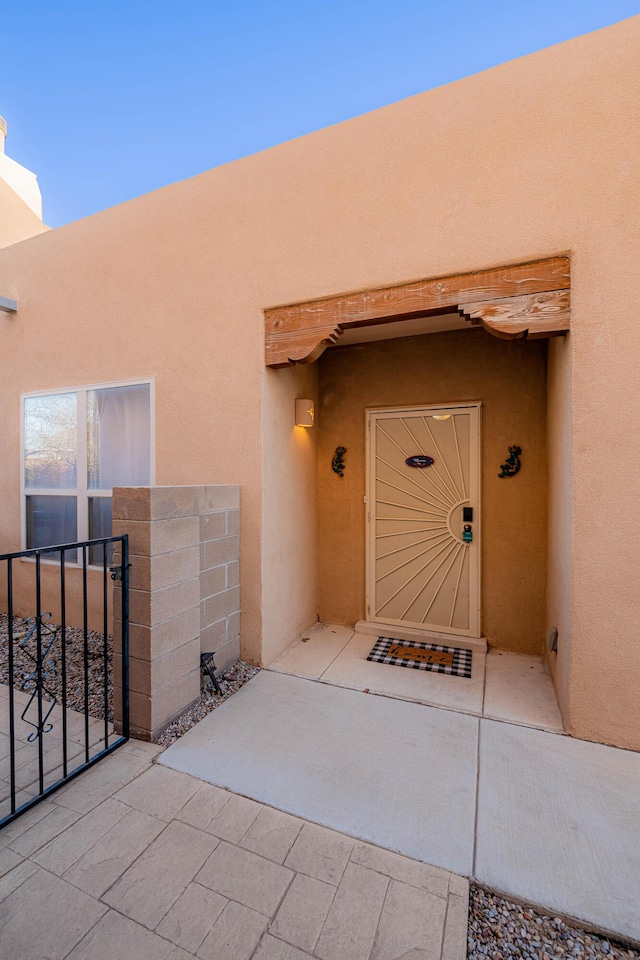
(423, 513)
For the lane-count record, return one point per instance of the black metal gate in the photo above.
(57, 714)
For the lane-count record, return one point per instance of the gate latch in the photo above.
(116, 572)
(467, 533)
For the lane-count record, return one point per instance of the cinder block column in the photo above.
(163, 524)
(220, 573)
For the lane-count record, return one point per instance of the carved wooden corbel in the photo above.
(532, 317)
(286, 345)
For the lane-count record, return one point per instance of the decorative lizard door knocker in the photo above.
(512, 466)
(337, 464)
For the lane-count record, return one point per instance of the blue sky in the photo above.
(108, 100)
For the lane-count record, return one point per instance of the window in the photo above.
(78, 445)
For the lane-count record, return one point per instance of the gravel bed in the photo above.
(24, 664)
(503, 930)
(230, 680)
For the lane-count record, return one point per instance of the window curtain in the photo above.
(51, 520)
(118, 435)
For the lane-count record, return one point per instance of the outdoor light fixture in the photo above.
(440, 416)
(305, 413)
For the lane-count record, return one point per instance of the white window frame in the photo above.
(82, 492)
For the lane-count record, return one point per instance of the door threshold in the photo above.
(377, 629)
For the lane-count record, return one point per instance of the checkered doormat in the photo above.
(455, 661)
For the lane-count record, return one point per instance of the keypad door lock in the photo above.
(467, 533)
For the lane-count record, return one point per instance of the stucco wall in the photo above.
(534, 158)
(145, 290)
(289, 560)
(560, 536)
(509, 378)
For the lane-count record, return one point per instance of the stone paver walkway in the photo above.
(137, 860)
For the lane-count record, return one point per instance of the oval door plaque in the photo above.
(419, 461)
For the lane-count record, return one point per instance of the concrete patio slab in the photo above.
(558, 825)
(503, 686)
(310, 657)
(399, 774)
(352, 669)
(519, 689)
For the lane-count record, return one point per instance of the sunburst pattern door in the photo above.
(424, 470)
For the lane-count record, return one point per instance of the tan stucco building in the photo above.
(534, 162)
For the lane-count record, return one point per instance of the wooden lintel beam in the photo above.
(533, 317)
(8, 306)
(300, 332)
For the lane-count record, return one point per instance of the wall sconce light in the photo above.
(305, 413)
